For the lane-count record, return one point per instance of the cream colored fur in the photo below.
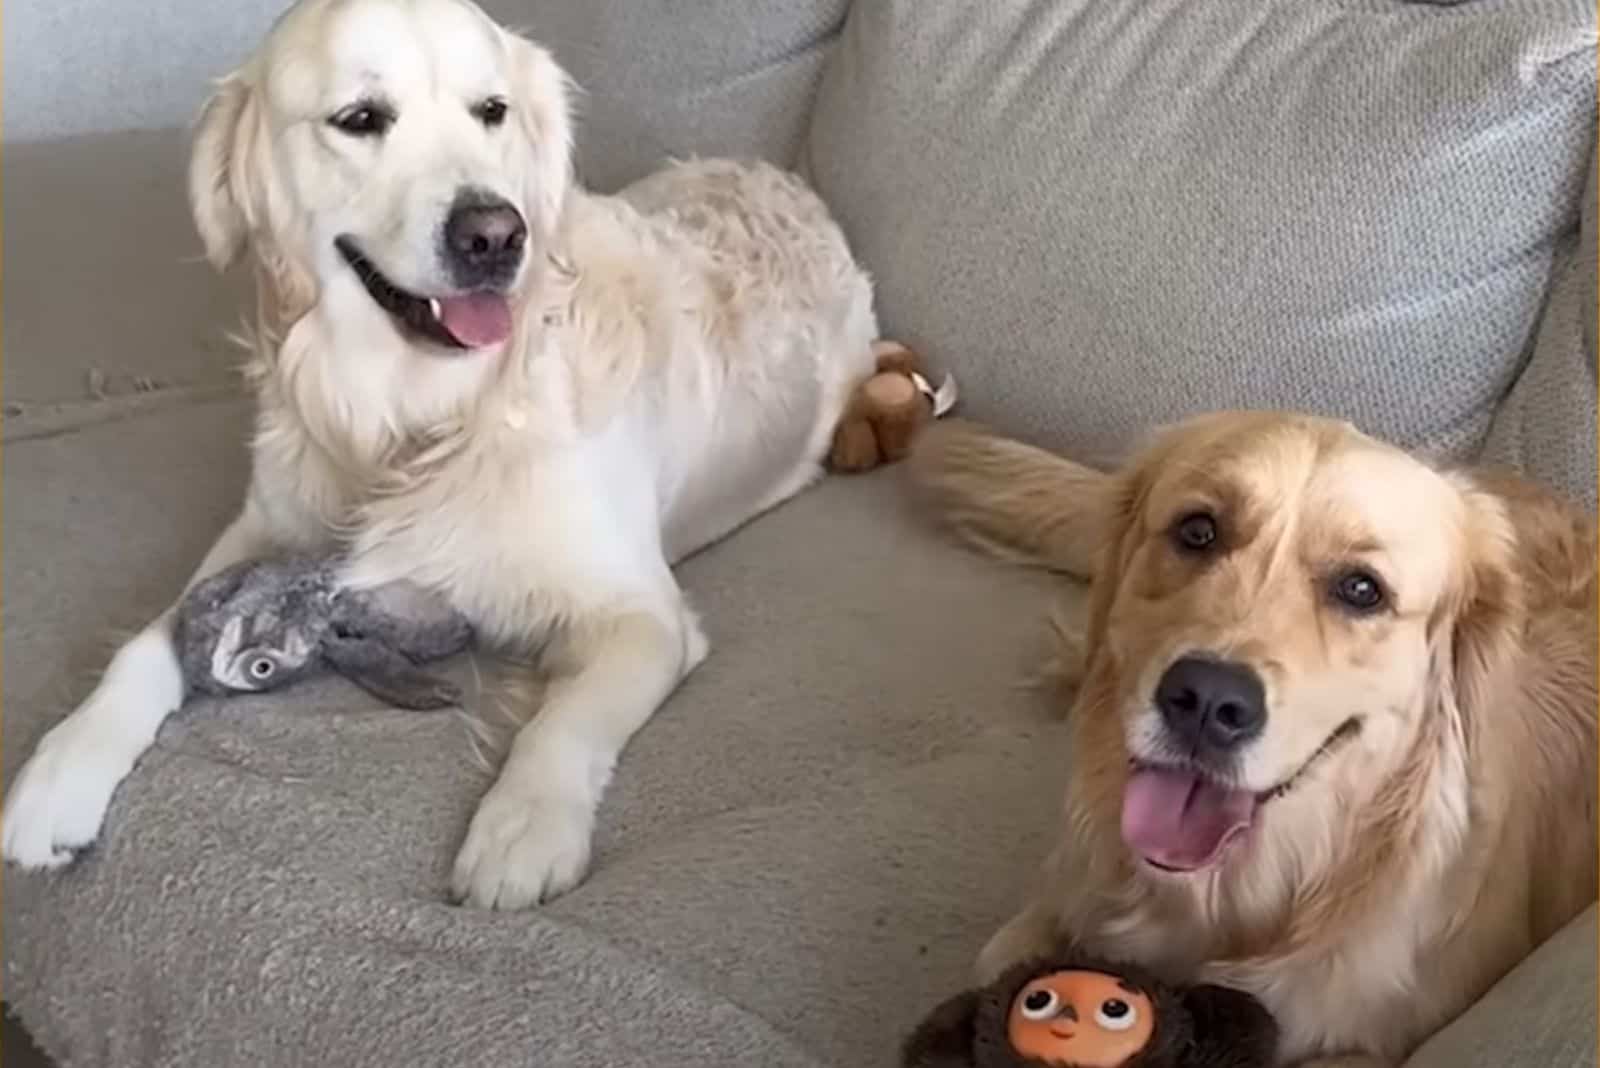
(1405, 870)
(681, 353)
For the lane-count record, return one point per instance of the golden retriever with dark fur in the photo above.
(1334, 734)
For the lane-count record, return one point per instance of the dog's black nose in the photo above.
(484, 237)
(1212, 704)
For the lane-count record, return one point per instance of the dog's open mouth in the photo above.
(1179, 819)
(468, 321)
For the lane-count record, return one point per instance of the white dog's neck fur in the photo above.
(350, 386)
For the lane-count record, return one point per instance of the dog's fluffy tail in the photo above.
(1011, 500)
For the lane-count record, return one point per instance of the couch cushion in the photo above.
(1546, 426)
(1541, 1014)
(798, 857)
(123, 73)
(1110, 213)
(727, 77)
(105, 273)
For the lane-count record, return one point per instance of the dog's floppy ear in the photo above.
(1477, 632)
(1121, 502)
(543, 108)
(221, 178)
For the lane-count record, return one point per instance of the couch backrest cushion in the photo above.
(1106, 214)
(662, 78)
(1547, 426)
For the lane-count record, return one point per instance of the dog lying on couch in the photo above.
(485, 380)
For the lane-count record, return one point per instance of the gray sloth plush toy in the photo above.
(262, 624)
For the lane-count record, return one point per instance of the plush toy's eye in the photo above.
(1115, 1014)
(261, 668)
(1040, 1004)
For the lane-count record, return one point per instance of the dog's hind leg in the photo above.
(59, 799)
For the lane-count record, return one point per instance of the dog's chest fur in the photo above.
(1376, 984)
(671, 377)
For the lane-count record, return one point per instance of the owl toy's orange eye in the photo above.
(1080, 1019)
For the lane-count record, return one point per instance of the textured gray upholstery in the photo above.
(1108, 214)
(1541, 1014)
(1101, 213)
(144, 305)
(1546, 425)
(711, 78)
(801, 853)
(78, 67)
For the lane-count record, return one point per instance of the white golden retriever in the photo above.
(488, 381)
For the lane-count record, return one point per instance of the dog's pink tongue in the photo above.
(477, 319)
(1178, 820)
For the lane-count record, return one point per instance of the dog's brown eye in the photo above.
(1359, 590)
(1197, 532)
(363, 120)
(491, 112)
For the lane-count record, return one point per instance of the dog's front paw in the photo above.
(522, 850)
(59, 800)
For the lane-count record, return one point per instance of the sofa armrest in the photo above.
(1542, 1013)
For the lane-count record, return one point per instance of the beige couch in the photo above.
(1101, 214)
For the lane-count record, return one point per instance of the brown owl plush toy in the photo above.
(1075, 1011)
